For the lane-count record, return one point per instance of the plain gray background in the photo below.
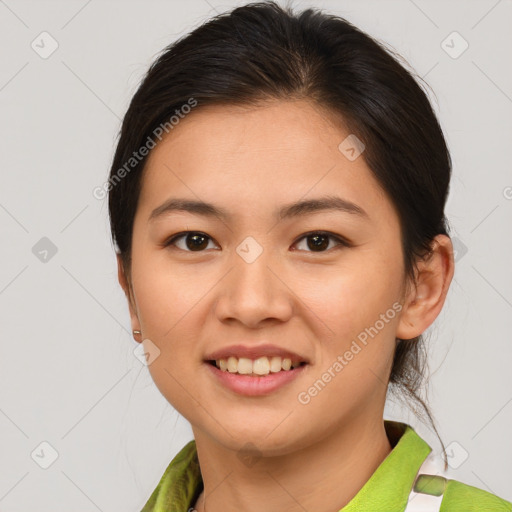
(68, 376)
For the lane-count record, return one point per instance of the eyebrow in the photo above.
(300, 208)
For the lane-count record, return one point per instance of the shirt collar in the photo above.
(387, 489)
(390, 485)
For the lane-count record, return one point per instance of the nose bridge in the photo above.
(253, 290)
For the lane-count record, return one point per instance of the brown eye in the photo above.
(319, 241)
(194, 241)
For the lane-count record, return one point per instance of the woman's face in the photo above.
(253, 277)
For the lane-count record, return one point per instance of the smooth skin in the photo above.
(314, 301)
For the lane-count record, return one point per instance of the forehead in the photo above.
(273, 152)
(284, 128)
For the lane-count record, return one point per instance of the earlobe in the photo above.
(426, 298)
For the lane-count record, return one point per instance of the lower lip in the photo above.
(256, 386)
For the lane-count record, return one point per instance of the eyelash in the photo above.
(341, 241)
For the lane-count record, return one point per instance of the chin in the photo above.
(260, 440)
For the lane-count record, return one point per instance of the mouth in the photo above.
(258, 377)
(259, 367)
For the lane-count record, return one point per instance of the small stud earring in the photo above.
(136, 332)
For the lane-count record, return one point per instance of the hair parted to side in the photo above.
(262, 51)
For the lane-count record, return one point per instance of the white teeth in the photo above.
(275, 364)
(232, 364)
(244, 366)
(261, 366)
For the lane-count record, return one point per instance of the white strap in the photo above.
(419, 502)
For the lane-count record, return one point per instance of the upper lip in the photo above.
(253, 352)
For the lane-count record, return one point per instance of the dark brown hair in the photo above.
(262, 51)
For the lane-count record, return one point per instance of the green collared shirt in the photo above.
(387, 490)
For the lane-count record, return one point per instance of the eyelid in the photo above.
(338, 238)
(169, 241)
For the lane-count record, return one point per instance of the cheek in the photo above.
(166, 294)
(168, 303)
(358, 304)
(351, 297)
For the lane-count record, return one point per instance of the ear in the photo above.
(123, 281)
(426, 296)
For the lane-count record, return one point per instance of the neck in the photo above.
(322, 476)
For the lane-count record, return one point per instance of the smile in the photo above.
(252, 383)
(256, 367)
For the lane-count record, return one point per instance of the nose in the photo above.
(254, 293)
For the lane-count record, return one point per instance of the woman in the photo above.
(277, 200)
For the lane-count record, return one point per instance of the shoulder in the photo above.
(458, 496)
(447, 495)
(180, 484)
